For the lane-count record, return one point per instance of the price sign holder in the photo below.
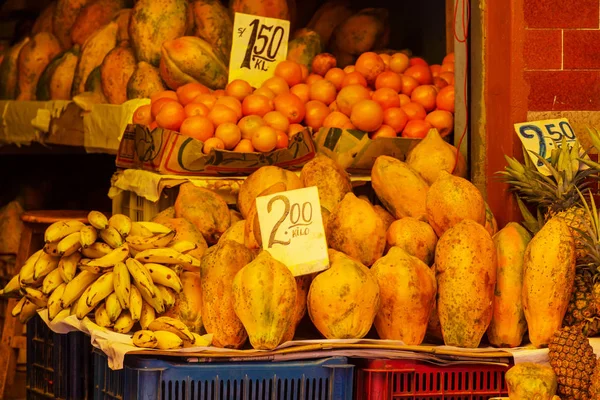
(542, 137)
(291, 228)
(259, 44)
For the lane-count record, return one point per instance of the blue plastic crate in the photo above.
(149, 379)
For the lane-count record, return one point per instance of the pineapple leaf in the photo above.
(595, 137)
(530, 222)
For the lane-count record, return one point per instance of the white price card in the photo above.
(259, 44)
(291, 228)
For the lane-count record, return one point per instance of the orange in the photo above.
(323, 91)
(305, 72)
(449, 59)
(213, 143)
(439, 82)
(302, 90)
(188, 92)
(199, 127)
(384, 131)
(153, 126)
(370, 65)
(312, 78)
(221, 114)
(333, 106)
(277, 120)
(336, 76)
(414, 111)
(354, 78)
(441, 120)
(367, 115)
(349, 68)
(424, 95)
(257, 104)
(249, 124)
(421, 73)
(417, 61)
(208, 100)
(448, 77)
(316, 112)
(416, 129)
(349, 96)
(396, 118)
(157, 105)
(386, 60)
(335, 119)
(386, 97)
(435, 69)
(322, 63)
(264, 139)
(232, 103)
(445, 99)
(230, 134)
(168, 94)
(448, 67)
(290, 71)
(196, 109)
(244, 146)
(143, 115)
(264, 91)
(399, 62)
(282, 140)
(389, 79)
(408, 84)
(294, 129)
(277, 85)
(239, 89)
(404, 99)
(291, 106)
(170, 116)
(218, 93)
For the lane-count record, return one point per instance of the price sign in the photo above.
(542, 136)
(259, 43)
(292, 229)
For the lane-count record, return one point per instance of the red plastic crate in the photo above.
(408, 379)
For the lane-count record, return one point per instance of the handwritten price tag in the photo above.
(292, 229)
(259, 43)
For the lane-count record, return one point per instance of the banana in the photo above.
(183, 246)
(141, 276)
(122, 223)
(202, 340)
(111, 237)
(101, 316)
(82, 308)
(145, 339)
(135, 303)
(69, 244)
(95, 270)
(139, 230)
(73, 308)
(19, 307)
(124, 323)
(166, 340)
(155, 227)
(155, 301)
(76, 287)
(118, 255)
(51, 281)
(36, 296)
(54, 304)
(168, 256)
(100, 289)
(51, 248)
(96, 250)
(61, 229)
(26, 271)
(62, 315)
(164, 276)
(12, 287)
(88, 236)
(157, 241)
(171, 325)
(147, 316)
(167, 295)
(113, 307)
(97, 220)
(28, 311)
(67, 266)
(44, 265)
(122, 284)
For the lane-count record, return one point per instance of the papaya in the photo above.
(434, 328)
(187, 231)
(34, 57)
(387, 218)
(154, 22)
(188, 304)
(43, 23)
(265, 8)
(235, 232)
(400, 189)
(9, 71)
(95, 48)
(218, 268)
(548, 278)
(407, 289)
(264, 299)
(302, 287)
(490, 221)
(116, 70)
(328, 17)
(531, 381)
(213, 23)
(65, 15)
(465, 261)
(304, 47)
(452, 199)
(332, 181)
(415, 237)
(190, 59)
(122, 19)
(508, 320)
(165, 215)
(57, 79)
(93, 85)
(144, 82)
(344, 299)
(92, 17)
(235, 216)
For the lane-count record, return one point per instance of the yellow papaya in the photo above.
(304, 47)
(302, 287)
(415, 237)
(64, 17)
(95, 48)
(34, 57)
(213, 23)
(328, 17)
(92, 17)
(154, 22)
(191, 59)
(57, 79)
(186, 231)
(490, 221)
(387, 218)
(122, 19)
(531, 381)
(332, 181)
(265, 8)
(188, 304)
(93, 84)
(9, 71)
(43, 23)
(235, 232)
(144, 82)
(116, 70)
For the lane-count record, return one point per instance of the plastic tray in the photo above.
(139, 208)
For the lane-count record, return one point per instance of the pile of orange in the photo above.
(385, 95)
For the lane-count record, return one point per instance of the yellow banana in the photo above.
(202, 340)
(164, 276)
(147, 316)
(155, 301)
(54, 304)
(121, 223)
(155, 227)
(36, 296)
(168, 256)
(96, 250)
(97, 220)
(52, 281)
(26, 271)
(28, 311)
(61, 229)
(94, 270)
(135, 303)
(12, 287)
(73, 308)
(124, 323)
(62, 315)
(141, 276)
(171, 325)
(51, 248)
(139, 230)
(168, 296)
(111, 237)
(118, 255)
(100, 289)
(101, 316)
(183, 246)
(122, 284)
(76, 287)
(69, 244)
(82, 308)
(67, 266)
(145, 339)
(44, 265)
(166, 340)
(157, 241)
(88, 236)
(18, 307)
(113, 307)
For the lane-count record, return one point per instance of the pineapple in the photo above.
(595, 385)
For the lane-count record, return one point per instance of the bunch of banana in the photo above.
(167, 333)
